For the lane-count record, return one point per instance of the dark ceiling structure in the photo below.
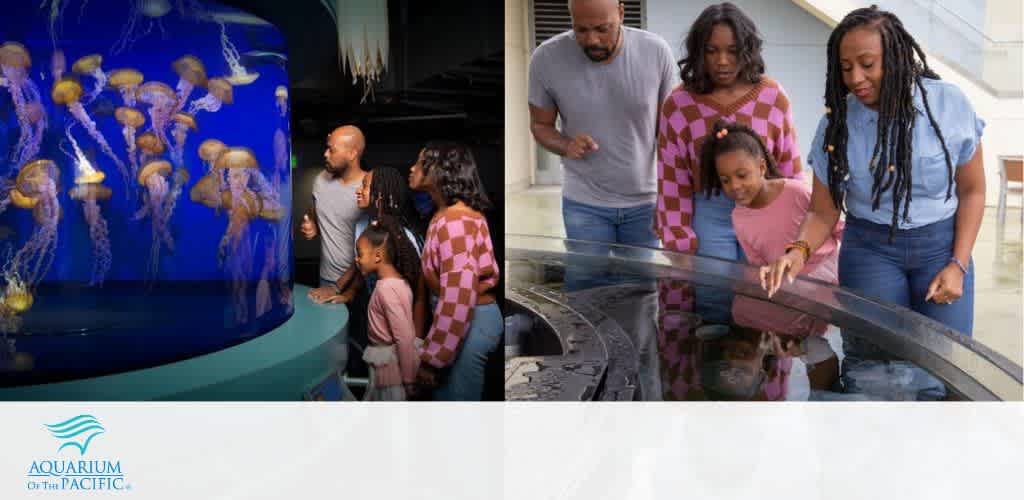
(445, 69)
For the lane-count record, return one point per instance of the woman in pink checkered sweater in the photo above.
(460, 269)
(723, 79)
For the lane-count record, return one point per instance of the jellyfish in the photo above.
(85, 172)
(243, 205)
(91, 65)
(161, 100)
(14, 65)
(182, 123)
(280, 158)
(191, 73)
(90, 194)
(207, 191)
(154, 10)
(15, 299)
(218, 92)
(126, 81)
(68, 91)
(149, 146)
(209, 151)
(131, 120)
(36, 189)
(153, 177)
(32, 136)
(263, 286)
(58, 65)
(281, 94)
(239, 76)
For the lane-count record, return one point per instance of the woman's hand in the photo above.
(427, 376)
(789, 265)
(947, 286)
(319, 295)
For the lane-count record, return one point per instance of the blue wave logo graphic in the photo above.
(76, 432)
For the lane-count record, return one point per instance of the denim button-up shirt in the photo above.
(961, 128)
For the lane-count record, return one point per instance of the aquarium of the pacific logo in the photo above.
(69, 469)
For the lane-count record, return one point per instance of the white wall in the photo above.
(519, 146)
(794, 49)
(1004, 117)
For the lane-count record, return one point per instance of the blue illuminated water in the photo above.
(189, 301)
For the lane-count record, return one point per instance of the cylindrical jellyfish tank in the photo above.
(144, 185)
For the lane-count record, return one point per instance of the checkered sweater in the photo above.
(458, 265)
(685, 119)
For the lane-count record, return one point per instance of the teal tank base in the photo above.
(283, 364)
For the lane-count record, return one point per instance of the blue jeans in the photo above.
(465, 381)
(899, 273)
(712, 221)
(628, 226)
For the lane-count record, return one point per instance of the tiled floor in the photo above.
(998, 306)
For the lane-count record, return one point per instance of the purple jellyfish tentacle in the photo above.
(184, 89)
(129, 139)
(180, 134)
(263, 303)
(79, 113)
(156, 186)
(101, 82)
(34, 259)
(99, 235)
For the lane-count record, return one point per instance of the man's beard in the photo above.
(602, 54)
(339, 170)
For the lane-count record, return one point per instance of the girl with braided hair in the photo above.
(899, 151)
(391, 354)
(769, 207)
(460, 269)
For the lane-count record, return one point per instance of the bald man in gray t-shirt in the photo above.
(606, 82)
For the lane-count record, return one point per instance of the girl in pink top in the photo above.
(391, 354)
(769, 208)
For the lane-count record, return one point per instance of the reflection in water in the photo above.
(644, 337)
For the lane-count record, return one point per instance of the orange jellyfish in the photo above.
(161, 100)
(126, 81)
(36, 189)
(183, 122)
(191, 74)
(153, 177)
(90, 194)
(219, 93)
(149, 146)
(67, 91)
(281, 95)
(91, 65)
(131, 120)
(206, 192)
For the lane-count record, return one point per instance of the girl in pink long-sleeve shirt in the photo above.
(391, 355)
(769, 208)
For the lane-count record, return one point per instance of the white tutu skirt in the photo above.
(382, 357)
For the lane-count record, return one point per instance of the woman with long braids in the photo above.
(459, 267)
(899, 150)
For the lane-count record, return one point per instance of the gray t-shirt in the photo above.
(616, 103)
(337, 214)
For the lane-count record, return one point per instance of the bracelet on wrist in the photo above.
(959, 264)
(803, 246)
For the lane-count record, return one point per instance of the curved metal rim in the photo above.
(902, 329)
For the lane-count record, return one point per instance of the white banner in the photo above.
(515, 451)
